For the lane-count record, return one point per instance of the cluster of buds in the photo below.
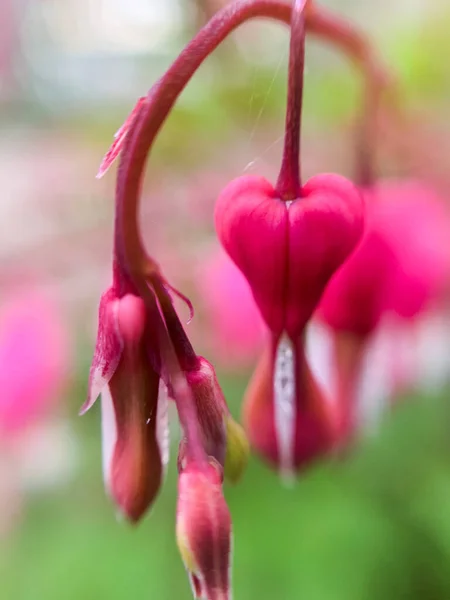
(142, 358)
(288, 240)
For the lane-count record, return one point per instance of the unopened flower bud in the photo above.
(204, 532)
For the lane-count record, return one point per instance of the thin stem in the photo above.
(184, 351)
(153, 111)
(288, 184)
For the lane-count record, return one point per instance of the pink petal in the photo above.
(285, 410)
(196, 586)
(252, 225)
(162, 425)
(289, 251)
(109, 435)
(108, 349)
(326, 224)
(231, 310)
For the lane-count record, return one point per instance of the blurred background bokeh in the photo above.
(373, 525)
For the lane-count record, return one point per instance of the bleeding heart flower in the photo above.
(288, 251)
(415, 221)
(400, 268)
(401, 265)
(288, 241)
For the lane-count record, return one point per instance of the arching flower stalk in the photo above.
(288, 240)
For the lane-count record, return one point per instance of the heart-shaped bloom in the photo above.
(288, 251)
(400, 267)
(287, 242)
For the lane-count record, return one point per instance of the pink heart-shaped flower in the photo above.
(288, 251)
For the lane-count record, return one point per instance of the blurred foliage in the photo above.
(416, 53)
(372, 525)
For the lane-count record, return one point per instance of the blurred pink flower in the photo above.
(34, 358)
(235, 326)
(398, 276)
(402, 265)
(415, 222)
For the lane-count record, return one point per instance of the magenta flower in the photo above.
(288, 251)
(415, 222)
(401, 267)
(288, 241)
(353, 301)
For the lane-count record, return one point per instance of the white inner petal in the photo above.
(109, 434)
(162, 424)
(284, 404)
(374, 388)
(319, 353)
(432, 362)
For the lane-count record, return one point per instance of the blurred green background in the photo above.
(372, 525)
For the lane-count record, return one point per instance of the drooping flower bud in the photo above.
(204, 532)
(134, 426)
(223, 438)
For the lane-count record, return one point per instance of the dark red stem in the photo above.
(289, 182)
(158, 105)
(162, 96)
(184, 351)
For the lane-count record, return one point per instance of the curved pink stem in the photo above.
(154, 109)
